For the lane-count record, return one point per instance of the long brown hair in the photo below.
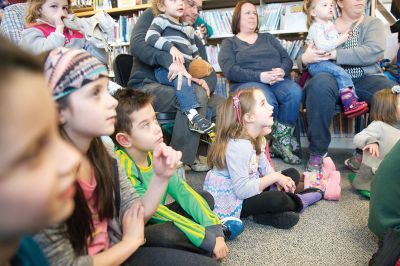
(80, 224)
(34, 7)
(235, 26)
(384, 106)
(228, 126)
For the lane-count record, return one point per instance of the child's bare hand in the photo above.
(373, 149)
(203, 84)
(133, 224)
(221, 249)
(176, 55)
(343, 38)
(286, 183)
(165, 160)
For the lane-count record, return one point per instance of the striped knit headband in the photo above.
(69, 69)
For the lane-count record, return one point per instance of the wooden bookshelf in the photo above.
(112, 11)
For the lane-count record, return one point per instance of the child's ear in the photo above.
(248, 118)
(313, 13)
(123, 140)
(161, 7)
(61, 117)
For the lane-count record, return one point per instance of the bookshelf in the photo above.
(111, 11)
(292, 38)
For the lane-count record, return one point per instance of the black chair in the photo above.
(122, 66)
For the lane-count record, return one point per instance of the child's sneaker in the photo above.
(232, 227)
(283, 220)
(352, 107)
(315, 163)
(353, 163)
(201, 125)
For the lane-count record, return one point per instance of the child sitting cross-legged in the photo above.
(136, 134)
(242, 180)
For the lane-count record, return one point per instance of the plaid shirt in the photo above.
(13, 22)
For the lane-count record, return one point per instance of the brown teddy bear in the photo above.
(200, 68)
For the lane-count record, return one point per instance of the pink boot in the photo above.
(352, 107)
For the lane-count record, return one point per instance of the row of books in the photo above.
(272, 17)
(123, 28)
(222, 87)
(81, 3)
(269, 16)
(107, 4)
(292, 47)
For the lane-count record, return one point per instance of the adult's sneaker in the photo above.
(232, 227)
(201, 125)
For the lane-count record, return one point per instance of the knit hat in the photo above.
(69, 69)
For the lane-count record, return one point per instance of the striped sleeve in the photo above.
(153, 36)
(195, 205)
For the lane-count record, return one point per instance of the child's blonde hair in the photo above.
(34, 7)
(384, 106)
(230, 125)
(154, 6)
(308, 6)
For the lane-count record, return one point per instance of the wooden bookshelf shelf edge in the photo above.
(113, 10)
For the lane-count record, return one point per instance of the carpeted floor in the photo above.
(328, 233)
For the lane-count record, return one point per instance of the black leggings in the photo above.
(167, 235)
(273, 201)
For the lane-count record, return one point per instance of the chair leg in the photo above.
(296, 134)
(360, 123)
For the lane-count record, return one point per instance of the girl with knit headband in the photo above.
(107, 225)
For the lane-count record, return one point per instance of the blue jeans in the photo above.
(284, 96)
(343, 78)
(321, 97)
(186, 96)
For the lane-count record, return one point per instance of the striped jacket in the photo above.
(163, 34)
(202, 232)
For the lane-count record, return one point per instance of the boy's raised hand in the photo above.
(165, 160)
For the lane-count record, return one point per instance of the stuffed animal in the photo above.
(200, 68)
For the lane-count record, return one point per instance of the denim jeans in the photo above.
(321, 97)
(186, 96)
(284, 96)
(343, 78)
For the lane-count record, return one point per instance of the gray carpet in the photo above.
(328, 233)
